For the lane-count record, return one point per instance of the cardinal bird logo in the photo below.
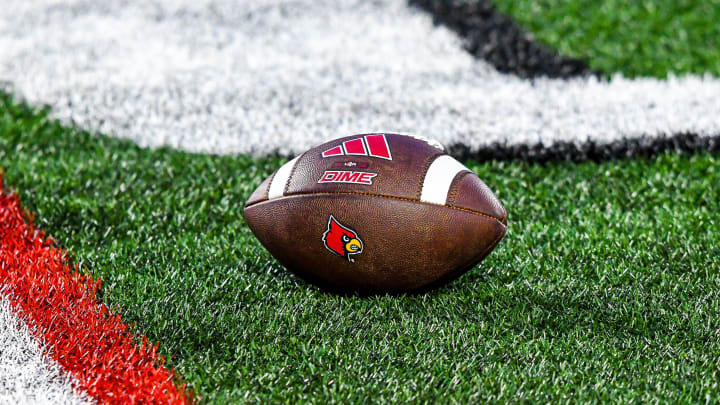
(341, 240)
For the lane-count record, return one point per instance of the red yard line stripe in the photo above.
(109, 362)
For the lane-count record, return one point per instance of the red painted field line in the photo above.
(60, 304)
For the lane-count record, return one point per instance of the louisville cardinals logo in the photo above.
(341, 240)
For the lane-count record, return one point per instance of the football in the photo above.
(376, 213)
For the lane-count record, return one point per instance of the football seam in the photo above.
(265, 194)
(485, 253)
(292, 173)
(390, 197)
(267, 189)
(456, 182)
(469, 265)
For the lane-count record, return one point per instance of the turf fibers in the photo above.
(636, 38)
(606, 288)
(92, 345)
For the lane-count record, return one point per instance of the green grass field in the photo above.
(607, 286)
(637, 38)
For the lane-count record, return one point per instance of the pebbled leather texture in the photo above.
(407, 245)
(472, 193)
(260, 193)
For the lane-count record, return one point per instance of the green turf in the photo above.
(637, 38)
(606, 288)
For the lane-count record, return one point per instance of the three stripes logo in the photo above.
(368, 145)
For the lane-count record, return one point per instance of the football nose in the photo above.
(472, 193)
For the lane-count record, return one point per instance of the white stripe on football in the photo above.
(277, 185)
(438, 179)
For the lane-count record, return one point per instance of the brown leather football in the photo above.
(376, 213)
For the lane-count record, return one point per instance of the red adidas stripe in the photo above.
(86, 339)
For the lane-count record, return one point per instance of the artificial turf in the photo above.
(607, 286)
(636, 38)
(91, 344)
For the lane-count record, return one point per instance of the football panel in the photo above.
(261, 193)
(404, 245)
(469, 192)
(388, 165)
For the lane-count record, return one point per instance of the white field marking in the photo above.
(279, 181)
(255, 77)
(438, 179)
(27, 375)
